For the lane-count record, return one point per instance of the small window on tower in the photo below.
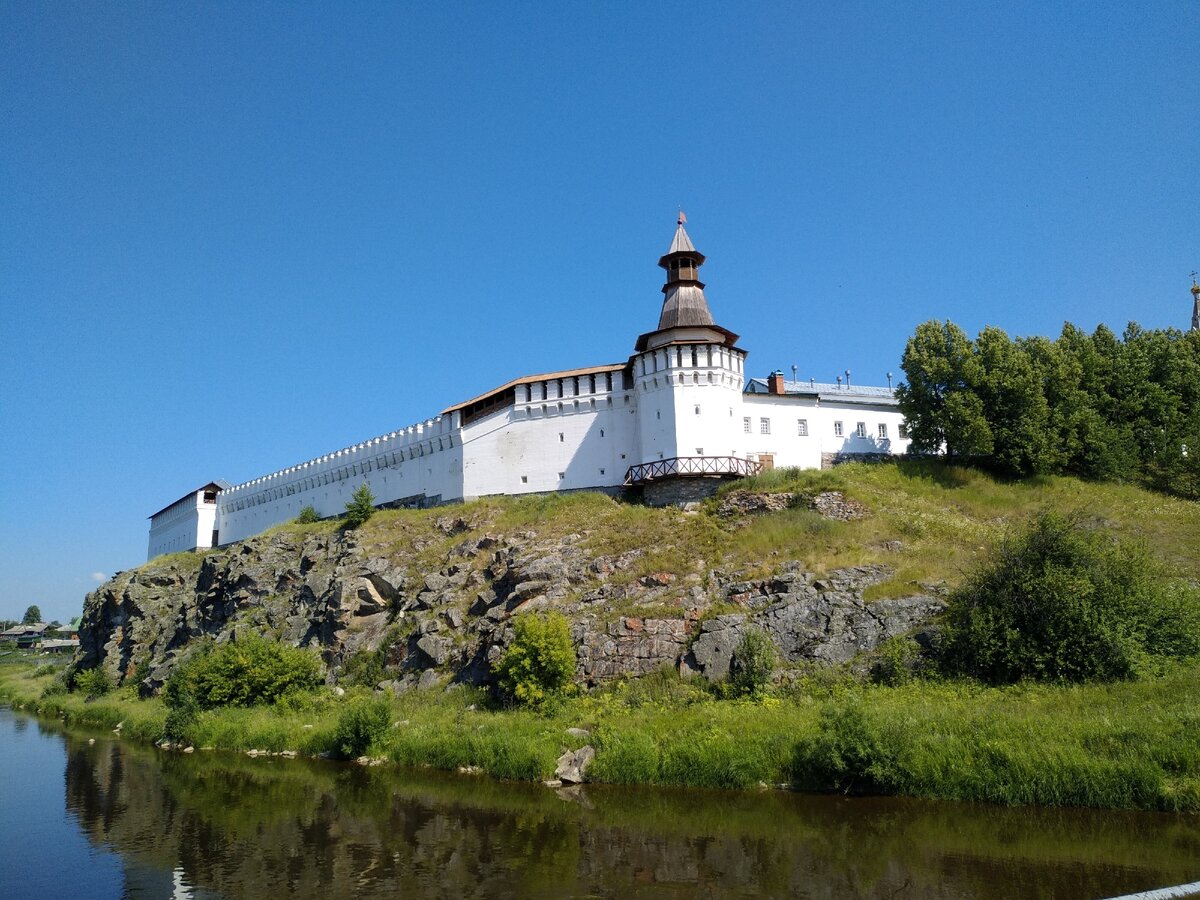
(697, 409)
(882, 431)
(560, 437)
(524, 479)
(837, 429)
(746, 424)
(802, 427)
(764, 426)
(861, 430)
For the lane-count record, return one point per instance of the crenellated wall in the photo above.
(422, 463)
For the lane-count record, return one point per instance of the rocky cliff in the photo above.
(434, 593)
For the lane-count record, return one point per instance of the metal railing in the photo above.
(685, 466)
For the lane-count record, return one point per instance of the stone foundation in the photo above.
(681, 491)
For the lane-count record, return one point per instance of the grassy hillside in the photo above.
(944, 517)
(1127, 744)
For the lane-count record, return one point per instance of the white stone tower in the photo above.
(688, 372)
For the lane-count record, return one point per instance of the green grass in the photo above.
(1124, 745)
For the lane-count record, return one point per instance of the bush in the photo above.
(753, 663)
(244, 672)
(540, 662)
(360, 508)
(93, 683)
(362, 725)
(57, 687)
(843, 754)
(307, 516)
(1065, 603)
(896, 662)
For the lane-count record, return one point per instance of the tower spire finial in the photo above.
(1195, 303)
(683, 220)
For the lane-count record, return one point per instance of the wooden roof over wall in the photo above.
(530, 379)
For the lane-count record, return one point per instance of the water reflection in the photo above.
(216, 824)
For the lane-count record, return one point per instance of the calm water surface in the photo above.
(111, 819)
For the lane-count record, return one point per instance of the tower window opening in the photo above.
(802, 427)
(697, 409)
(746, 424)
(561, 438)
(764, 426)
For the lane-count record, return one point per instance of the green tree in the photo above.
(540, 662)
(360, 508)
(32, 616)
(943, 412)
(308, 515)
(1063, 602)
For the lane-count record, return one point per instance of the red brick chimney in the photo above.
(775, 383)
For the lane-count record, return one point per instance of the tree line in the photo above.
(1096, 406)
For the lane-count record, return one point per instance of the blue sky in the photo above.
(235, 236)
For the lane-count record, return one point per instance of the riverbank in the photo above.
(1131, 745)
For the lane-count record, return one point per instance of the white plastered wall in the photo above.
(561, 434)
(790, 448)
(185, 525)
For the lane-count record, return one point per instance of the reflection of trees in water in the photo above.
(253, 828)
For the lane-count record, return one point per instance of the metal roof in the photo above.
(826, 390)
(219, 485)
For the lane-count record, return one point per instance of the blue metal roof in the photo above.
(825, 389)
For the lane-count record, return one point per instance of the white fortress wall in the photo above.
(184, 525)
(560, 433)
(421, 460)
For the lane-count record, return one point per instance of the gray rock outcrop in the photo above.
(441, 605)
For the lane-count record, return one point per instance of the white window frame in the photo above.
(764, 425)
(838, 429)
(860, 430)
(802, 427)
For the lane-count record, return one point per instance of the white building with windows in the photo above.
(680, 409)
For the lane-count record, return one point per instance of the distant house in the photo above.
(26, 637)
(63, 645)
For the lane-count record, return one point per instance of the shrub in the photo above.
(753, 663)
(244, 672)
(896, 661)
(1062, 602)
(93, 682)
(362, 725)
(366, 667)
(57, 687)
(360, 508)
(540, 662)
(844, 753)
(307, 516)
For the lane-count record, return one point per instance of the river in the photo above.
(87, 815)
